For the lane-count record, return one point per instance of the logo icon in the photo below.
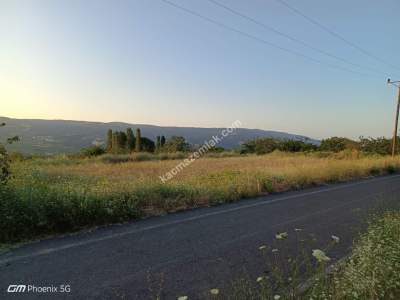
(14, 288)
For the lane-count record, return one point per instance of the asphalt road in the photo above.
(190, 252)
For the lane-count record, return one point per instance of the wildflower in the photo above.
(274, 250)
(298, 229)
(259, 279)
(214, 291)
(335, 238)
(320, 255)
(281, 236)
(183, 298)
(262, 247)
(277, 297)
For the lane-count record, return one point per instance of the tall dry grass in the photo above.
(61, 194)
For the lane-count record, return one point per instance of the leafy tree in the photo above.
(158, 142)
(4, 159)
(114, 143)
(109, 142)
(162, 141)
(147, 145)
(379, 145)
(260, 146)
(13, 139)
(268, 145)
(130, 140)
(296, 146)
(119, 141)
(176, 144)
(93, 151)
(138, 145)
(248, 147)
(216, 149)
(337, 144)
(122, 140)
(4, 165)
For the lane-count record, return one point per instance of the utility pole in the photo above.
(396, 122)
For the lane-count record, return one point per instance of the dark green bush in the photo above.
(260, 146)
(337, 144)
(381, 145)
(268, 145)
(93, 151)
(296, 146)
(4, 165)
(176, 144)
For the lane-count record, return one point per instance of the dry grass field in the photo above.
(63, 194)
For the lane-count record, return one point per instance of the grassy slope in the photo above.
(62, 195)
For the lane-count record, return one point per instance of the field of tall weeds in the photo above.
(61, 194)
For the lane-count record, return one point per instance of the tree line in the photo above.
(369, 145)
(125, 142)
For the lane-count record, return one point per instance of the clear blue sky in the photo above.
(144, 61)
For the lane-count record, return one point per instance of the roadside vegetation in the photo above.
(56, 195)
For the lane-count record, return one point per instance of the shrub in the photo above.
(260, 146)
(268, 145)
(296, 146)
(4, 165)
(143, 156)
(93, 151)
(216, 149)
(115, 158)
(176, 144)
(16, 156)
(130, 140)
(337, 144)
(380, 145)
(147, 145)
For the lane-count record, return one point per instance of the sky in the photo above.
(148, 62)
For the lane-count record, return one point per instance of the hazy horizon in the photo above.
(147, 62)
(189, 126)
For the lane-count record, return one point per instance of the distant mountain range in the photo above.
(62, 136)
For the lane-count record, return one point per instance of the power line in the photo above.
(270, 28)
(336, 35)
(253, 37)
